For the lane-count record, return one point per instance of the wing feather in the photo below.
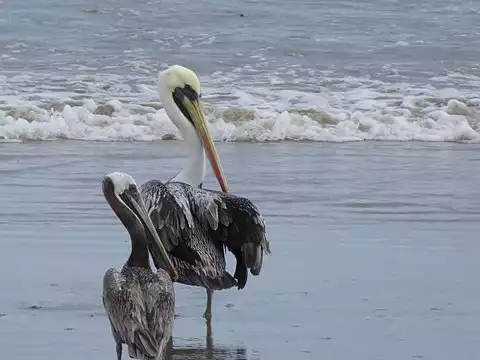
(170, 213)
(140, 312)
(234, 222)
(160, 307)
(238, 215)
(180, 212)
(126, 311)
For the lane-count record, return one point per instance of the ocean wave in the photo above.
(295, 105)
(413, 119)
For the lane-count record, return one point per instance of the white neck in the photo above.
(193, 171)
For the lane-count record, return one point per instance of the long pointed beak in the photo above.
(140, 208)
(195, 109)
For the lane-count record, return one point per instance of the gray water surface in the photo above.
(374, 251)
(421, 38)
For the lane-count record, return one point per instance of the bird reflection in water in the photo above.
(206, 351)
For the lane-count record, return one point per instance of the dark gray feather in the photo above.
(206, 222)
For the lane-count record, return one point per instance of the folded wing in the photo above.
(129, 317)
(181, 212)
(236, 223)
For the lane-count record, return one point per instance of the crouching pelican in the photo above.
(194, 223)
(139, 303)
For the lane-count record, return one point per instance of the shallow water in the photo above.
(374, 251)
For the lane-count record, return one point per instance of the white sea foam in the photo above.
(81, 123)
(354, 110)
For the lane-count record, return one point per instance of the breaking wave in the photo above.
(381, 112)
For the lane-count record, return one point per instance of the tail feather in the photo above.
(134, 352)
(145, 344)
(258, 264)
(252, 257)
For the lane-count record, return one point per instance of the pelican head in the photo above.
(121, 193)
(179, 89)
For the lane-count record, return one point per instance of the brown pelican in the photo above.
(139, 303)
(194, 223)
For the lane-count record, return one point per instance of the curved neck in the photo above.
(139, 254)
(193, 171)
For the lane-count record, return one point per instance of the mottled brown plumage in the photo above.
(139, 303)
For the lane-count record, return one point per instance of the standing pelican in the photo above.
(197, 224)
(139, 303)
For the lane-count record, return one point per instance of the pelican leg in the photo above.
(208, 310)
(209, 341)
(119, 350)
(170, 347)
